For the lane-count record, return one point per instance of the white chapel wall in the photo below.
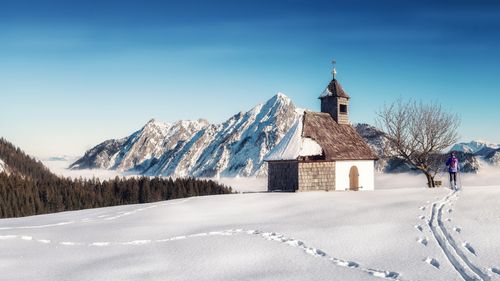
(366, 169)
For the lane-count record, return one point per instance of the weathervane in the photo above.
(334, 71)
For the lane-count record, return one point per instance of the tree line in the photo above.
(29, 188)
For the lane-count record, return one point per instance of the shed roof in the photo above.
(338, 141)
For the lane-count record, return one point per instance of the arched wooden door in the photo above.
(354, 178)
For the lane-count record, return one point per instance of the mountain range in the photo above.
(237, 146)
(490, 152)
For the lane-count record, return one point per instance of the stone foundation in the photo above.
(301, 176)
(316, 176)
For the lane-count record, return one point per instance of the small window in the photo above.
(343, 108)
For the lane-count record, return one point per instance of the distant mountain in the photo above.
(487, 151)
(136, 151)
(15, 162)
(493, 157)
(237, 146)
(477, 147)
(389, 163)
(198, 148)
(378, 142)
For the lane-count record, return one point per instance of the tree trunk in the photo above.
(430, 180)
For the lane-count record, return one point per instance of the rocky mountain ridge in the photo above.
(237, 146)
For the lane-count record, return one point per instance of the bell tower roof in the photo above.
(334, 89)
(335, 101)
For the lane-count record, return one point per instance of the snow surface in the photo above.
(294, 145)
(264, 236)
(2, 166)
(325, 93)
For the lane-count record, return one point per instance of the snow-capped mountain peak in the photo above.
(236, 147)
(155, 124)
(475, 146)
(198, 148)
(283, 97)
(280, 98)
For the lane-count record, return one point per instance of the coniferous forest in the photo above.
(27, 187)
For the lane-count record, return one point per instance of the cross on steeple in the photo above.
(334, 71)
(334, 100)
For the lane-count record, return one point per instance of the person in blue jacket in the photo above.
(452, 164)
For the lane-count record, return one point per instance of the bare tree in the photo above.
(419, 133)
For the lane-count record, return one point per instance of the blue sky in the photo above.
(74, 73)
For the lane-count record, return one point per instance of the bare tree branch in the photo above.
(418, 133)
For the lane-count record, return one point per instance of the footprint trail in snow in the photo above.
(97, 218)
(271, 236)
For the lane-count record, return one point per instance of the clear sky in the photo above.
(75, 73)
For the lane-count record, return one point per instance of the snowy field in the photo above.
(400, 231)
(400, 234)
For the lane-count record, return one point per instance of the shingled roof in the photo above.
(334, 89)
(337, 142)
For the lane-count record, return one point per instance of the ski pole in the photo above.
(460, 179)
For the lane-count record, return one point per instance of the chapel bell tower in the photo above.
(335, 101)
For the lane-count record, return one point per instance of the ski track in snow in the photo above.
(271, 236)
(106, 217)
(453, 253)
(122, 214)
(495, 270)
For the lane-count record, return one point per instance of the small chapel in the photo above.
(322, 150)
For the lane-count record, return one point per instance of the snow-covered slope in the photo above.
(378, 142)
(294, 144)
(137, 150)
(197, 148)
(264, 236)
(2, 166)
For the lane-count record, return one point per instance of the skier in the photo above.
(452, 164)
